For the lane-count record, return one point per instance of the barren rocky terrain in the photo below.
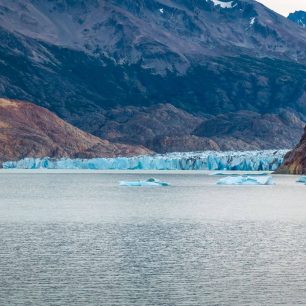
(27, 130)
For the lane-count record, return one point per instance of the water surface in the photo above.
(80, 239)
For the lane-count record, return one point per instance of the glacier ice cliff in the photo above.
(268, 160)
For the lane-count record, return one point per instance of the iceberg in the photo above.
(302, 179)
(246, 180)
(268, 160)
(149, 182)
(249, 174)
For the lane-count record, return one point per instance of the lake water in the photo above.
(80, 239)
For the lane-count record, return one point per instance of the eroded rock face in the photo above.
(186, 143)
(295, 161)
(247, 130)
(145, 125)
(27, 130)
(165, 128)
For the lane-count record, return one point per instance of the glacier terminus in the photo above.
(267, 160)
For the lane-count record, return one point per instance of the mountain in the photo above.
(157, 34)
(27, 130)
(166, 74)
(299, 17)
(295, 161)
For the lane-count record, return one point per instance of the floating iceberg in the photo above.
(149, 182)
(242, 161)
(238, 174)
(302, 179)
(246, 180)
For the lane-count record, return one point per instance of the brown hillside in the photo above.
(27, 130)
(295, 161)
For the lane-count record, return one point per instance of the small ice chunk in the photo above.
(246, 180)
(149, 182)
(302, 179)
(233, 175)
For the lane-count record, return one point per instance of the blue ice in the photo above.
(302, 179)
(246, 180)
(268, 160)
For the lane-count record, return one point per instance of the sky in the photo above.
(284, 7)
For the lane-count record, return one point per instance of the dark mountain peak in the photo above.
(298, 17)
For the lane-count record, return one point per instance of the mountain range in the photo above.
(170, 75)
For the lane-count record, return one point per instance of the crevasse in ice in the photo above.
(268, 160)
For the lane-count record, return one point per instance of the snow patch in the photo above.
(301, 23)
(252, 21)
(161, 10)
(224, 5)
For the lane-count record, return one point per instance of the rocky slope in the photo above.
(113, 67)
(298, 17)
(165, 128)
(179, 31)
(295, 161)
(27, 130)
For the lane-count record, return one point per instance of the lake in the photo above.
(77, 238)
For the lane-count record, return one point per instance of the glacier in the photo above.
(268, 160)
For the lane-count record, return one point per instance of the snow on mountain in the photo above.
(252, 21)
(223, 4)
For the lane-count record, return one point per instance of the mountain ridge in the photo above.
(126, 30)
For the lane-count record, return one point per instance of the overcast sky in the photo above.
(285, 7)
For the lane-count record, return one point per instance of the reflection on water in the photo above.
(73, 239)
